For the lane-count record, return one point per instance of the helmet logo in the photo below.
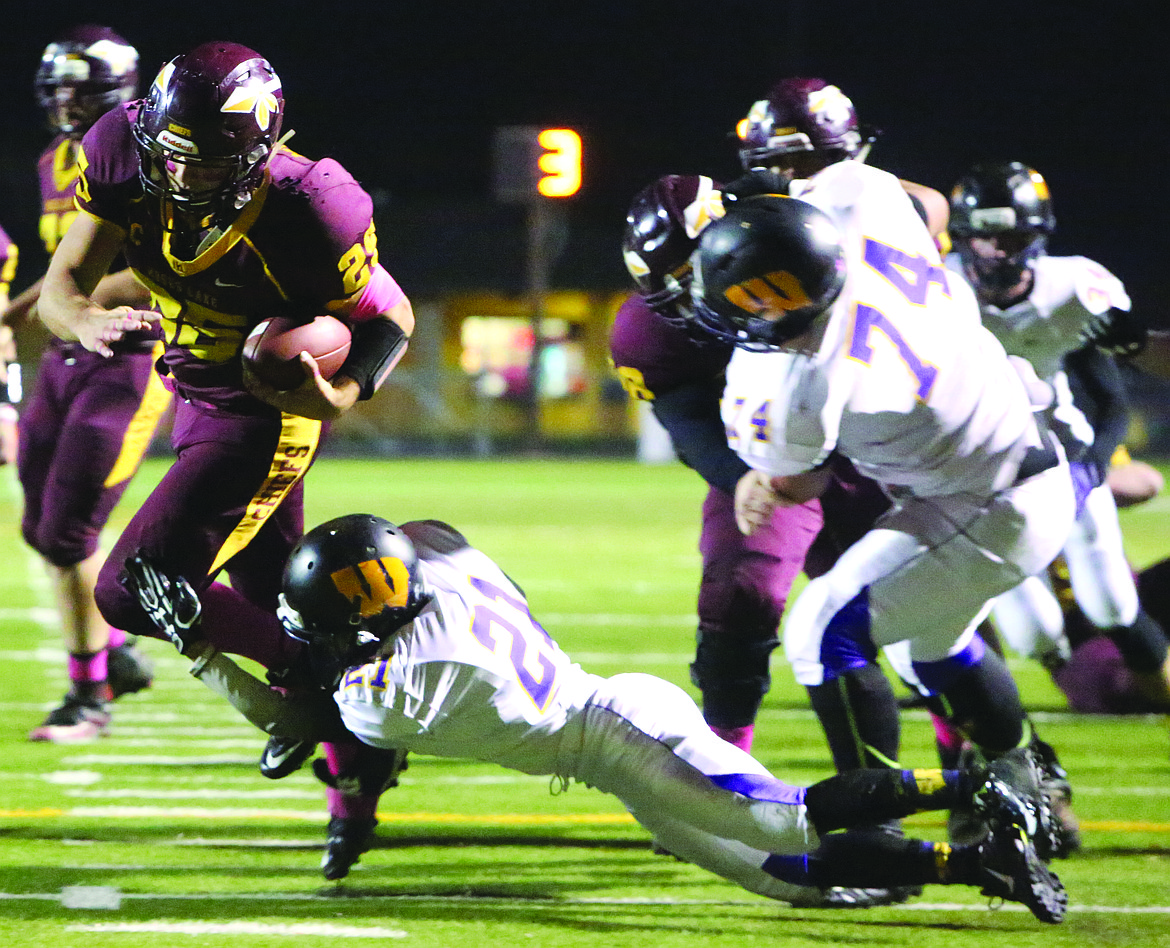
(183, 146)
(374, 584)
(259, 99)
(1039, 184)
(769, 296)
(635, 264)
(831, 103)
(162, 80)
(706, 207)
(993, 218)
(121, 59)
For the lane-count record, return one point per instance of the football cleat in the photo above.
(840, 896)
(1010, 869)
(349, 837)
(77, 720)
(1011, 795)
(284, 755)
(1057, 791)
(129, 670)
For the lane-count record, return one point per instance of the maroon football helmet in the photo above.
(662, 230)
(799, 115)
(207, 128)
(83, 75)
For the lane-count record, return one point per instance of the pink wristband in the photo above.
(381, 293)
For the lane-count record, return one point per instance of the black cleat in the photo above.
(1010, 869)
(349, 837)
(77, 720)
(1057, 791)
(129, 670)
(284, 755)
(1012, 795)
(847, 897)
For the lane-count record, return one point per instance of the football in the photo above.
(272, 350)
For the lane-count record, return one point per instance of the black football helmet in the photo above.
(1001, 217)
(766, 270)
(348, 585)
(215, 112)
(662, 230)
(82, 75)
(799, 115)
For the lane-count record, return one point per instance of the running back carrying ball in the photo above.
(272, 350)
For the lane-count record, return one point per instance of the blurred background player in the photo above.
(9, 377)
(88, 421)
(1066, 315)
(661, 359)
(230, 228)
(421, 641)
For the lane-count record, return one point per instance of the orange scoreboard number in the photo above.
(559, 162)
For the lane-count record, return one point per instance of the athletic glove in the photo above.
(1117, 331)
(172, 605)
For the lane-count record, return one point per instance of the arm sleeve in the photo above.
(311, 716)
(1099, 391)
(690, 413)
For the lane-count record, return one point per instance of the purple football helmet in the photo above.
(207, 128)
(799, 115)
(662, 231)
(82, 75)
(1001, 217)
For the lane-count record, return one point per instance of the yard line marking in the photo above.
(561, 902)
(242, 928)
(495, 819)
(157, 760)
(114, 741)
(139, 793)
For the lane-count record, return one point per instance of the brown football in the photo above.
(272, 350)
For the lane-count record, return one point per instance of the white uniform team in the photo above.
(475, 676)
(1067, 294)
(909, 386)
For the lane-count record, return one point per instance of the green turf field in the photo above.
(167, 823)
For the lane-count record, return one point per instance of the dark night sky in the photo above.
(406, 94)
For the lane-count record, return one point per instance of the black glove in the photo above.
(1117, 331)
(171, 603)
(756, 181)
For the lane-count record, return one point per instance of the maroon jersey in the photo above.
(8, 258)
(57, 171)
(653, 356)
(304, 240)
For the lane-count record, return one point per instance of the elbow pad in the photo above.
(375, 348)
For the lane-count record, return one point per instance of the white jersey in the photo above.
(906, 383)
(474, 676)
(1067, 293)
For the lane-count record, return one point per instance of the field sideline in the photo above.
(163, 833)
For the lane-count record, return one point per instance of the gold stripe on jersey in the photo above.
(139, 432)
(65, 166)
(225, 241)
(298, 443)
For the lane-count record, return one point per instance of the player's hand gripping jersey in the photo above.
(304, 240)
(905, 383)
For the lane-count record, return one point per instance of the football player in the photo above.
(88, 420)
(226, 226)
(855, 342)
(745, 581)
(1059, 313)
(420, 641)
(9, 254)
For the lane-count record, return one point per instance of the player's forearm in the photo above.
(269, 710)
(17, 314)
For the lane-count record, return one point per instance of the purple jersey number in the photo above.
(912, 275)
(527, 637)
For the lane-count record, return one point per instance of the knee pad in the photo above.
(731, 669)
(1142, 644)
(940, 675)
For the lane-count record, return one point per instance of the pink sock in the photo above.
(87, 666)
(948, 736)
(741, 737)
(117, 638)
(349, 805)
